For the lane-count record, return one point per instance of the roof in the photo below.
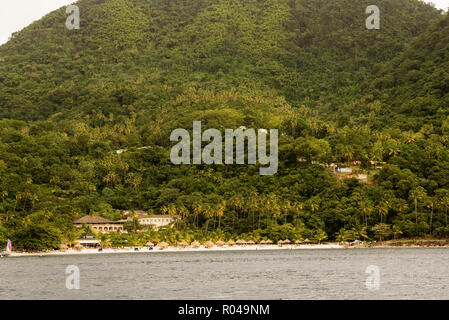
(161, 216)
(139, 213)
(144, 215)
(88, 241)
(93, 220)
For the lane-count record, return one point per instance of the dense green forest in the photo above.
(375, 100)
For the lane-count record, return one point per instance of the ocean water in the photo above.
(415, 273)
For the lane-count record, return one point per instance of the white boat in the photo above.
(8, 250)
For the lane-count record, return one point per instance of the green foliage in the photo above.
(136, 70)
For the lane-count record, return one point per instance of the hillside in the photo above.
(136, 70)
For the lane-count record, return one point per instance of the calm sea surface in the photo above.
(277, 274)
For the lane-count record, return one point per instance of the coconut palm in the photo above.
(431, 204)
(220, 212)
(208, 213)
(384, 208)
(297, 209)
(443, 201)
(183, 212)
(367, 209)
(320, 235)
(286, 207)
(417, 195)
(252, 205)
(197, 210)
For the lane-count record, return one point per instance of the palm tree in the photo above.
(396, 231)
(135, 220)
(314, 206)
(220, 212)
(384, 208)
(443, 201)
(417, 195)
(208, 213)
(183, 212)
(320, 235)
(286, 207)
(275, 208)
(431, 204)
(251, 204)
(104, 240)
(367, 209)
(298, 207)
(197, 210)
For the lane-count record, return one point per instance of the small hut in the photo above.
(287, 241)
(162, 245)
(251, 242)
(195, 244)
(241, 242)
(209, 244)
(183, 244)
(150, 244)
(220, 243)
(263, 242)
(230, 243)
(268, 241)
(298, 242)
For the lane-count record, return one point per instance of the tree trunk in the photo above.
(445, 212)
(431, 219)
(416, 212)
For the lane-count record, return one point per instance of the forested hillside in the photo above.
(373, 100)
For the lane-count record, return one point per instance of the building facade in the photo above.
(99, 224)
(155, 220)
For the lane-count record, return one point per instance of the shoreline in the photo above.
(367, 245)
(175, 249)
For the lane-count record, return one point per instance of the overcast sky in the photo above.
(17, 14)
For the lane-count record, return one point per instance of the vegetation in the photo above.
(136, 70)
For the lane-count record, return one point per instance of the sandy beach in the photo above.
(177, 249)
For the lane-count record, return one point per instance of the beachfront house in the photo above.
(155, 220)
(88, 242)
(99, 223)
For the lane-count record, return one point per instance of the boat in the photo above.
(8, 250)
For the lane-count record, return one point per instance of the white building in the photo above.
(155, 220)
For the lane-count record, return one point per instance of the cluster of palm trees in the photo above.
(252, 209)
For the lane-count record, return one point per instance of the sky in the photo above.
(17, 14)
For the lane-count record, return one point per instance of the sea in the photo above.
(402, 273)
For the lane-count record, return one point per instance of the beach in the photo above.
(410, 243)
(86, 251)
